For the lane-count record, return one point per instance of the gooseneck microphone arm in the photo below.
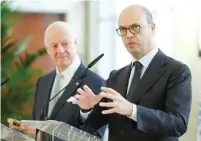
(82, 74)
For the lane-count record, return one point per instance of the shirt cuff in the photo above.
(84, 116)
(134, 113)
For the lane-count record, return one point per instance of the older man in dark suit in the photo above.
(60, 42)
(147, 100)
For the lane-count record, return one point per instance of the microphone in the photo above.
(72, 80)
(4, 81)
(95, 61)
(82, 74)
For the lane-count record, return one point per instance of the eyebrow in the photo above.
(52, 43)
(129, 25)
(66, 40)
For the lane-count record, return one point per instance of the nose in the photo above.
(60, 49)
(129, 34)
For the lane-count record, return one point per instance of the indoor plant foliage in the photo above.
(16, 66)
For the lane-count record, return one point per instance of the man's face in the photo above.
(137, 38)
(61, 47)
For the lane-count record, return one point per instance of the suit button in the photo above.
(121, 132)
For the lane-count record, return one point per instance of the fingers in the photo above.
(80, 91)
(77, 96)
(83, 93)
(109, 90)
(110, 111)
(13, 121)
(14, 124)
(75, 102)
(108, 95)
(17, 125)
(87, 89)
(108, 104)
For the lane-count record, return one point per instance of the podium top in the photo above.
(62, 130)
(8, 134)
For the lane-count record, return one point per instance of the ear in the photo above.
(47, 50)
(75, 41)
(153, 28)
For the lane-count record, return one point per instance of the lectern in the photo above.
(8, 134)
(62, 130)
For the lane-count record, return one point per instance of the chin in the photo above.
(64, 63)
(133, 50)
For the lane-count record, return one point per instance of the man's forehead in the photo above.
(60, 31)
(60, 35)
(131, 16)
(129, 22)
(53, 41)
(59, 40)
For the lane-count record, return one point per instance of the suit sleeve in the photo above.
(96, 119)
(35, 100)
(173, 121)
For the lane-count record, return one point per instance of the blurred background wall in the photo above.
(178, 26)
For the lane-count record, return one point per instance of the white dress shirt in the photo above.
(145, 61)
(67, 75)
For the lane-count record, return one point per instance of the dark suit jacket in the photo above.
(69, 113)
(163, 99)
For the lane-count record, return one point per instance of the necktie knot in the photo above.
(59, 76)
(138, 65)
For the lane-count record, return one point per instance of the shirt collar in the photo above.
(70, 71)
(146, 60)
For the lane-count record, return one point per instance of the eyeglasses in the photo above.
(134, 29)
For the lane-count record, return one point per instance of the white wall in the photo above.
(185, 48)
(77, 17)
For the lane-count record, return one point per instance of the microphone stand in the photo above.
(82, 74)
(43, 113)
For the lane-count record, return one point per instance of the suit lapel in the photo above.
(154, 71)
(69, 91)
(50, 81)
(124, 79)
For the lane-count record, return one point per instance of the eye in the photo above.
(122, 29)
(65, 44)
(134, 26)
(54, 46)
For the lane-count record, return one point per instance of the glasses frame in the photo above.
(118, 30)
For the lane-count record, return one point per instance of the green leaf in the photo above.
(7, 48)
(22, 46)
(30, 58)
(15, 66)
(6, 12)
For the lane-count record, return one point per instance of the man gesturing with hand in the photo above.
(147, 100)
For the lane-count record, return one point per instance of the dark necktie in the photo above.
(135, 80)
